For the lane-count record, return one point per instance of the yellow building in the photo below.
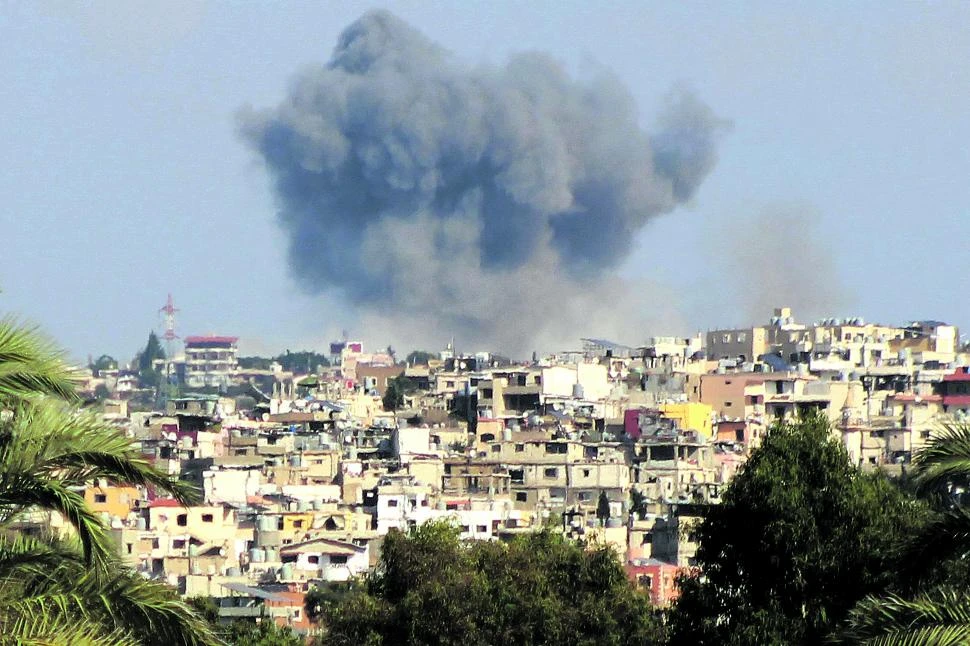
(115, 501)
(693, 416)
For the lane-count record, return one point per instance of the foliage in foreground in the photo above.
(800, 537)
(431, 588)
(55, 591)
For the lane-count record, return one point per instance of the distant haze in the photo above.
(492, 202)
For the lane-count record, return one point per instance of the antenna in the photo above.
(169, 336)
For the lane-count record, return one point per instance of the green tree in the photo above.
(393, 398)
(148, 377)
(419, 358)
(265, 633)
(933, 607)
(104, 362)
(603, 508)
(800, 537)
(430, 588)
(67, 591)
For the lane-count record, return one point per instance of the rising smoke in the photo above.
(779, 257)
(493, 202)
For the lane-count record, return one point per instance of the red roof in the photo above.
(961, 375)
(210, 339)
(956, 400)
(165, 502)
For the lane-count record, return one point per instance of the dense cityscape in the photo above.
(307, 461)
(548, 323)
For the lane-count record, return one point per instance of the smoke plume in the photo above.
(491, 202)
(777, 258)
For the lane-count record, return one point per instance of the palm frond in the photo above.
(944, 460)
(31, 365)
(940, 617)
(48, 438)
(25, 490)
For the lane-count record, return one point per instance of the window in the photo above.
(727, 382)
(925, 435)
(496, 448)
(206, 518)
(481, 529)
(128, 547)
(464, 529)
(178, 544)
(155, 544)
(726, 338)
(521, 496)
(727, 404)
(584, 496)
(313, 559)
(100, 497)
(298, 523)
(742, 337)
(338, 559)
(182, 520)
(585, 473)
(519, 448)
(551, 472)
(647, 539)
(392, 503)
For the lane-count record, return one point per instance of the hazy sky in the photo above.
(123, 176)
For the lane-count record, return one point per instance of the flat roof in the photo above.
(191, 340)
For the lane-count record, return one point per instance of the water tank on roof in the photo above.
(233, 572)
(303, 505)
(317, 504)
(507, 435)
(286, 572)
(296, 460)
(271, 555)
(578, 391)
(256, 555)
(614, 522)
(141, 524)
(266, 523)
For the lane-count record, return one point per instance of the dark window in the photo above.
(206, 518)
(182, 520)
(338, 559)
(313, 558)
(521, 496)
(100, 497)
(392, 503)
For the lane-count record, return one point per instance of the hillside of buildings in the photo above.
(314, 474)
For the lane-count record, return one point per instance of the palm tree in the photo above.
(940, 614)
(67, 590)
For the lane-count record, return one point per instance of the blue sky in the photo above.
(123, 177)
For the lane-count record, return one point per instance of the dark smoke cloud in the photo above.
(493, 202)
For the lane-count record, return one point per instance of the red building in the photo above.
(656, 577)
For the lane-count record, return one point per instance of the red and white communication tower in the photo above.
(169, 336)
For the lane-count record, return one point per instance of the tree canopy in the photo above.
(800, 536)
(419, 357)
(430, 588)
